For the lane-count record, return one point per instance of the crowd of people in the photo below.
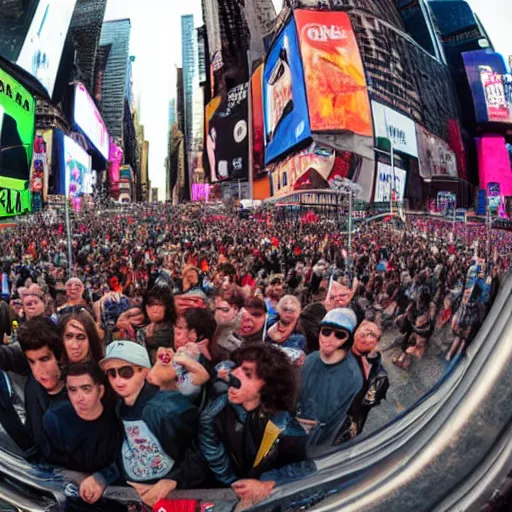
(187, 347)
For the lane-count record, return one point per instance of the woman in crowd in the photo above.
(158, 308)
(81, 339)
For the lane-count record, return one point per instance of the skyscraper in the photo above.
(172, 112)
(188, 49)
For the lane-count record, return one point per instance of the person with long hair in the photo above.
(81, 338)
(258, 409)
(160, 316)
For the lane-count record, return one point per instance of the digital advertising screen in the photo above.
(284, 96)
(491, 86)
(17, 125)
(227, 141)
(436, 158)
(77, 168)
(258, 128)
(42, 49)
(41, 163)
(335, 79)
(88, 118)
(383, 187)
(392, 125)
(494, 164)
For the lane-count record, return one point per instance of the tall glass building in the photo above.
(189, 56)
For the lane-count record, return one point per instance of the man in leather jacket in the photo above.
(375, 377)
(248, 436)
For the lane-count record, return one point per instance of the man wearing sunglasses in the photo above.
(331, 379)
(159, 427)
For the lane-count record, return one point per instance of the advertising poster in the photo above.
(17, 125)
(88, 118)
(392, 125)
(284, 96)
(41, 166)
(42, 49)
(491, 86)
(383, 188)
(77, 168)
(227, 142)
(334, 74)
(435, 155)
(258, 128)
(494, 163)
(457, 145)
(310, 168)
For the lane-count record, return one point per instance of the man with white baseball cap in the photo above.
(331, 379)
(159, 427)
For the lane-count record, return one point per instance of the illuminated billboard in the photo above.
(17, 125)
(494, 163)
(258, 129)
(491, 86)
(383, 184)
(227, 141)
(88, 118)
(42, 49)
(285, 107)
(335, 80)
(41, 165)
(77, 169)
(392, 125)
(436, 158)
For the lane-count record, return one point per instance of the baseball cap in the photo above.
(340, 318)
(128, 351)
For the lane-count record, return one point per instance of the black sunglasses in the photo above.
(125, 372)
(340, 335)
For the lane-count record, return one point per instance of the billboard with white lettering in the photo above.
(399, 129)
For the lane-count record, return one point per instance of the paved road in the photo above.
(408, 386)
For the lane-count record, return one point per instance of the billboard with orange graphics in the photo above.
(334, 75)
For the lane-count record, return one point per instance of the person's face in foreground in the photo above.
(85, 396)
(126, 379)
(366, 338)
(331, 339)
(45, 368)
(249, 393)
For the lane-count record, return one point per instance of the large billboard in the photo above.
(77, 165)
(334, 75)
(41, 167)
(284, 96)
(436, 158)
(42, 50)
(383, 185)
(494, 163)
(491, 86)
(392, 125)
(88, 118)
(227, 141)
(17, 124)
(258, 129)
(316, 167)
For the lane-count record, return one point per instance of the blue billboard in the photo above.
(491, 86)
(284, 96)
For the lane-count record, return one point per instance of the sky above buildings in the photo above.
(156, 44)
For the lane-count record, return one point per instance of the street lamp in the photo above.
(345, 187)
